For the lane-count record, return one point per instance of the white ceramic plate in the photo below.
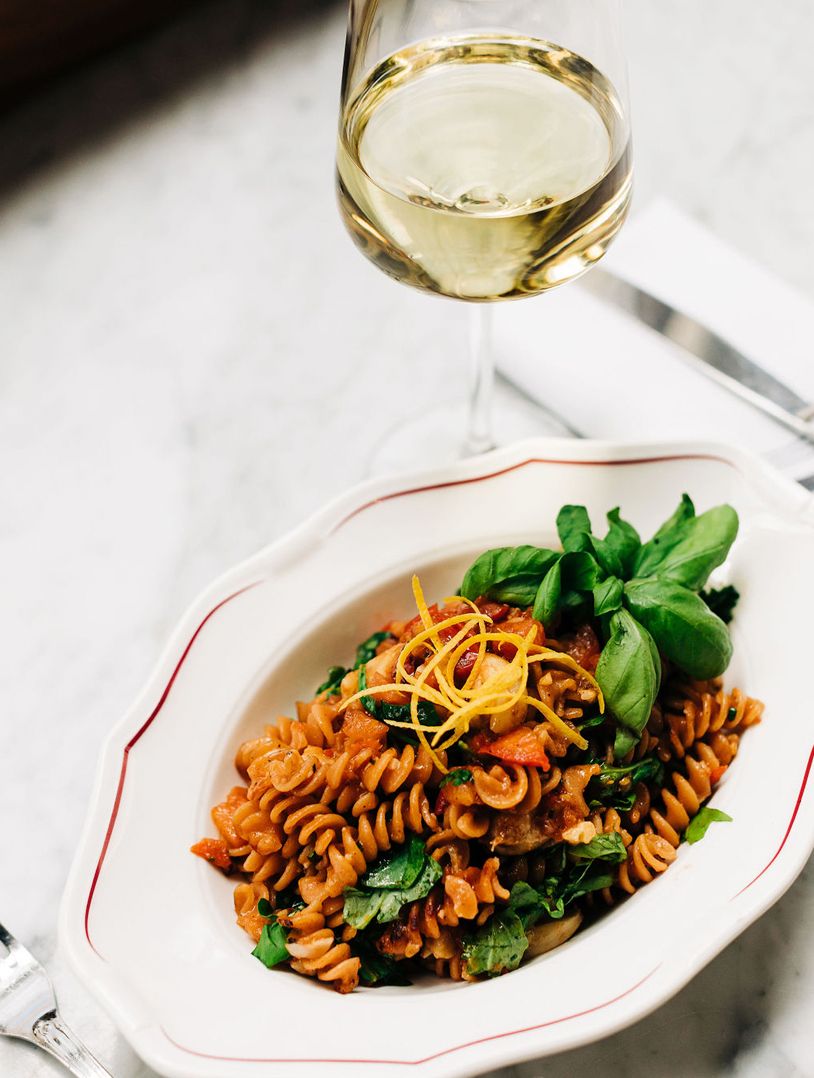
(150, 929)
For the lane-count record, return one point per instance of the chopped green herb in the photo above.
(614, 787)
(332, 681)
(394, 881)
(364, 653)
(592, 877)
(367, 649)
(398, 869)
(594, 720)
(457, 777)
(376, 969)
(271, 947)
(389, 713)
(700, 824)
(369, 703)
(498, 946)
(530, 904)
(609, 847)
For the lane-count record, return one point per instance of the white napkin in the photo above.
(612, 377)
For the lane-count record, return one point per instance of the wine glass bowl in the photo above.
(484, 145)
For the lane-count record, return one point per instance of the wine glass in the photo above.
(483, 154)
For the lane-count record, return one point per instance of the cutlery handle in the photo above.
(56, 1038)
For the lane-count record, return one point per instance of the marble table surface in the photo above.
(192, 358)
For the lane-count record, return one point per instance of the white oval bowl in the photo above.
(150, 928)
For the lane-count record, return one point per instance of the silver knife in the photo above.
(707, 352)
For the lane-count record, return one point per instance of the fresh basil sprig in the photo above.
(645, 595)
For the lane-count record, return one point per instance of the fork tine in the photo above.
(14, 946)
(17, 954)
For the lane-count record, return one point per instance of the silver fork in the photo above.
(28, 1010)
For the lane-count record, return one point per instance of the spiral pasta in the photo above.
(460, 785)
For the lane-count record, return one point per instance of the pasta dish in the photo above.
(490, 774)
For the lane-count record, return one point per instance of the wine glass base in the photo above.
(436, 435)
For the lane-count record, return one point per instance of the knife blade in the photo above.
(706, 351)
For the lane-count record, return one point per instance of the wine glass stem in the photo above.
(479, 435)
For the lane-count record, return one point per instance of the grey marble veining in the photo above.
(192, 358)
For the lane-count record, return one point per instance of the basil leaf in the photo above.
(530, 904)
(577, 605)
(398, 869)
(498, 946)
(388, 713)
(367, 649)
(457, 777)
(703, 547)
(377, 969)
(722, 601)
(623, 540)
(392, 901)
(547, 600)
(605, 788)
(332, 681)
(264, 908)
(271, 947)
(369, 703)
(652, 553)
(608, 595)
(684, 512)
(573, 523)
(384, 902)
(364, 653)
(607, 557)
(624, 742)
(609, 847)
(649, 769)
(690, 551)
(684, 628)
(579, 571)
(565, 584)
(508, 574)
(568, 877)
(629, 674)
(593, 877)
(586, 724)
(700, 824)
(360, 907)
(516, 591)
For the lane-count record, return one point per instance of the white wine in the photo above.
(484, 167)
